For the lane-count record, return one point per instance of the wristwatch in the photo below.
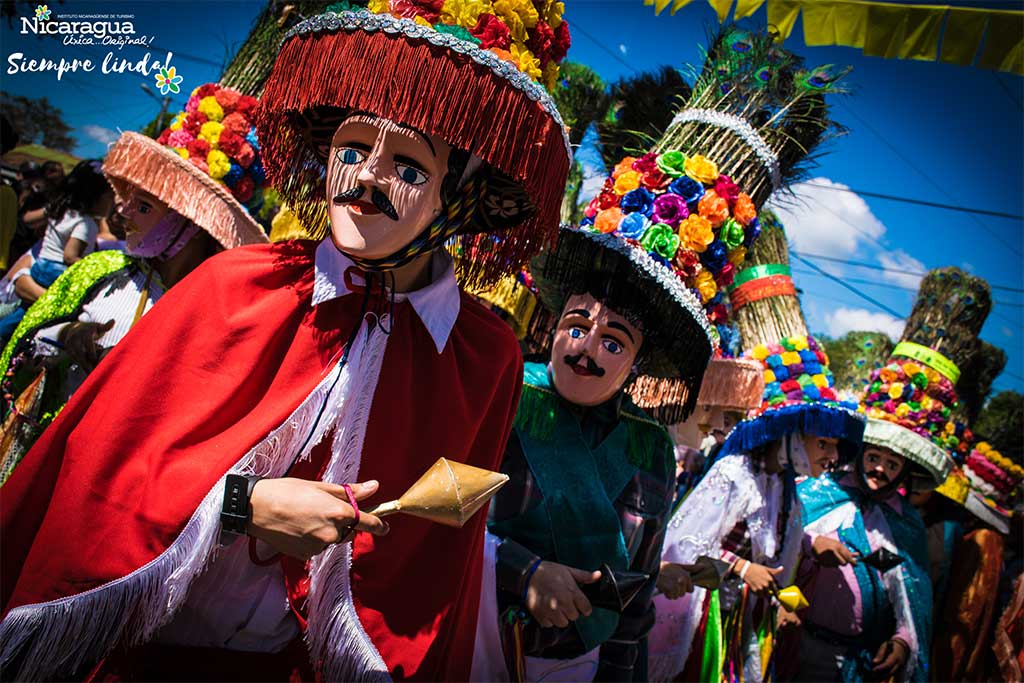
(236, 512)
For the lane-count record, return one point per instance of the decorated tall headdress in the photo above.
(799, 394)
(693, 200)
(854, 356)
(470, 73)
(205, 166)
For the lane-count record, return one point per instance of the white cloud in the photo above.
(825, 221)
(100, 134)
(844, 320)
(969, 267)
(907, 265)
(622, 48)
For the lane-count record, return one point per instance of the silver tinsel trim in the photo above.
(369, 22)
(741, 128)
(665, 277)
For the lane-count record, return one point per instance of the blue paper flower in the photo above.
(686, 187)
(256, 170)
(715, 256)
(640, 200)
(633, 225)
(753, 230)
(253, 140)
(233, 175)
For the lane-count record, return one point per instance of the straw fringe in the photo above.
(56, 639)
(729, 383)
(137, 160)
(433, 89)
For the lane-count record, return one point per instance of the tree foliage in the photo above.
(1001, 423)
(639, 110)
(581, 98)
(37, 121)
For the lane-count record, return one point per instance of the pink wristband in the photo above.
(352, 502)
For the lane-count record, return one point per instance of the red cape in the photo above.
(220, 361)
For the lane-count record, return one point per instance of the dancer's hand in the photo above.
(553, 596)
(832, 553)
(786, 619)
(674, 581)
(300, 518)
(891, 657)
(81, 342)
(760, 578)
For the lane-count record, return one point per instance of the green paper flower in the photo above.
(661, 239)
(732, 234)
(457, 31)
(671, 163)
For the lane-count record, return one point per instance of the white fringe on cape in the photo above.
(53, 640)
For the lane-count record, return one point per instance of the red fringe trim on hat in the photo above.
(433, 89)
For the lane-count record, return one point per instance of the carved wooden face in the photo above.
(881, 466)
(141, 212)
(383, 184)
(593, 351)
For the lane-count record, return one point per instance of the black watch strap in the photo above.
(236, 512)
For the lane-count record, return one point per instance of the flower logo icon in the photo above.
(42, 12)
(167, 81)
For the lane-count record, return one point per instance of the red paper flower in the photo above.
(654, 180)
(193, 123)
(562, 41)
(592, 208)
(726, 275)
(727, 189)
(200, 164)
(237, 124)
(198, 149)
(245, 155)
(541, 42)
(688, 263)
(206, 90)
(607, 200)
(230, 142)
(718, 313)
(243, 189)
(245, 106)
(410, 9)
(790, 385)
(164, 136)
(646, 164)
(227, 98)
(492, 32)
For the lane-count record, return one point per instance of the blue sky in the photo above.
(922, 130)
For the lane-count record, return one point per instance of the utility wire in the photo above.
(922, 202)
(614, 55)
(853, 289)
(873, 266)
(924, 175)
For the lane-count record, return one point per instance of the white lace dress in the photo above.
(731, 491)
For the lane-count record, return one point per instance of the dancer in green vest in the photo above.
(574, 543)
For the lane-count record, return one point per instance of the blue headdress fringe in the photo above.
(821, 419)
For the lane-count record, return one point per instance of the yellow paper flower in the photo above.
(464, 13)
(926, 403)
(799, 343)
(931, 374)
(519, 15)
(950, 428)
(820, 381)
(759, 352)
(421, 21)
(695, 233)
(378, 6)
(210, 131)
(526, 61)
(737, 256)
(219, 164)
(887, 375)
(627, 182)
(551, 12)
(911, 369)
(983, 448)
(701, 169)
(211, 107)
(895, 390)
(706, 286)
(790, 357)
(902, 410)
(550, 76)
(182, 152)
(769, 376)
(178, 122)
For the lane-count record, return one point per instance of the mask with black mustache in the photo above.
(377, 198)
(592, 367)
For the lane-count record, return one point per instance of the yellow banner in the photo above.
(904, 32)
(744, 8)
(964, 29)
(722, 7)
(835, 22)
(782, 16)
(1004, 43)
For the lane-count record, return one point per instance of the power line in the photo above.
(890, 285)
(614, 55)
(922, 202)
(924, 175)
(853, 289)
(873, 266)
